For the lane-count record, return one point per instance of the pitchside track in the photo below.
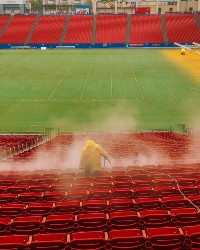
(84, 90)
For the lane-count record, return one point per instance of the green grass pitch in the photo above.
(94, 90)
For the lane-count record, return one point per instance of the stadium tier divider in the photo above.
(6, 25)
(197, 19)
(64, 30)
(32, 31)
(164, 29)
(3, 20)
(94, 29)
(128, 29)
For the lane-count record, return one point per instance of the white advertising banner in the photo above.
(12, 1)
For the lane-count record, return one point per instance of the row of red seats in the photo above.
(115, 173)
(14, 144)
(100, 191)
(109, 29)
(121, 145)
(48, 30)
(181, 28)
(79, 30)
(121, 181)
(18, 30)
(169, 238)
(3, 20)
(81, 204)
(146, 29)
(62, 223)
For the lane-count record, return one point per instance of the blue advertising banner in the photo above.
(82, 10)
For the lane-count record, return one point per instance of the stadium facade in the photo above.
(129, 7)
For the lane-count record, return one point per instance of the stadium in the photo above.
(125, 75)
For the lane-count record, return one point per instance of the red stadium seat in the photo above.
(5, 227)
(3, 189)
(27, 182)
(60, 187)
(88, 240)
(174, 202)
(39, 209)
(127, 239)
(143, 183)
(49, 241)
(13, 242)
(165, 238)
(166, 191)
(192, 234)
(189, 190)
(7, 198)
(102, 185)
(121, 205)
(124, 220)
(123, 184)
(147, 203)
(185, 217)
(186, 181)
(71, 207)
(195, 199)
(154, 218)
(83, 179)
(120, 177)
(7, 182)
(118, 193)
(54, 196)
(17, 189)
(12, 210)
(99, 194)
(59, 223)
(138, 176)
(46, 181)
(102, 178)
(94, 206)
(28, 225)
(81, 185)
(30, 197)
(39, 188)
(79, 195)
(143, 192)
(92, 221)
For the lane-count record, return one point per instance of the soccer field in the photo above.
(98, 90)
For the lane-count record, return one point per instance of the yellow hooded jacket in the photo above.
(91, 156)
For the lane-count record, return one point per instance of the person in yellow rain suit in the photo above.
(90, 161)
(183, 51)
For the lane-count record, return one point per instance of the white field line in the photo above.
(61, 80)
(136, 80)
(12, 66)
(4, 70)
(111, 79)
(20, 97)
(86, 79)
(162, 80)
